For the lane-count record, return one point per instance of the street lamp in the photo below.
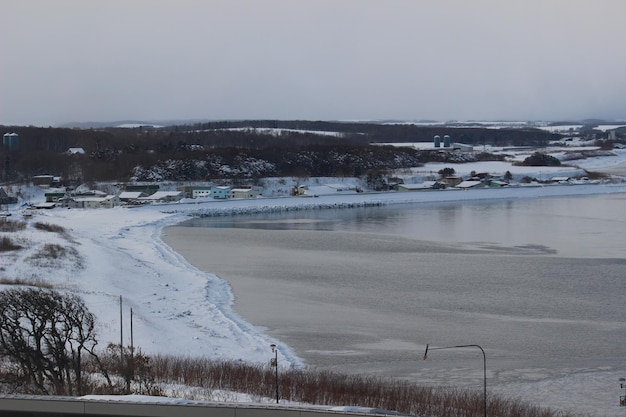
(274, 363)
(484, 369)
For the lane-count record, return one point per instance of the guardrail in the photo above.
(50, 406)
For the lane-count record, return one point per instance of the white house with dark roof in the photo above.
(163, 197)
(470, 184)
(127, 196)
(93, 202)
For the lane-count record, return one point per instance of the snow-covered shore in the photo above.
(178, 309)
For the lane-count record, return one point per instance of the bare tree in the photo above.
(46, 334)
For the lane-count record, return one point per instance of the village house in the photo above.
(46, 180)
(426, 185)
(465, 185)
(327, 189)
(497, 183)
(220, 192)
(54, 196)
(75, 151)
(244, 193)
(129, 196)
(163, 197)
(196, 191)
(5, 198)
(452, 181)
(148, 189)
(92, 202)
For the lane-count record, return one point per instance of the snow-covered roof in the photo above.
(45, 205)
(422, 186)
(76, 151)
(95, 198)
(468, 184)
(159, 195)
(130, 194)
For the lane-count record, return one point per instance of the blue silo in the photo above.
(11, 141)
(437, 140)
(446, 141)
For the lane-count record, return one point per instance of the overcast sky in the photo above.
(91, 60)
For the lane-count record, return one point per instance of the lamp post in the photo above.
(484, 369)
(274, 363)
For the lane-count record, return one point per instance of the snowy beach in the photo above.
(123, 255)
(179, 309)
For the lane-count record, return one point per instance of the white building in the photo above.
(244, 193)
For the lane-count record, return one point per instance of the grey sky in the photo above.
(93, 60)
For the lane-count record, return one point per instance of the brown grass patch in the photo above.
(7, 244)
(55, 228)
(12, 226)
(25, 282)
(320, 388)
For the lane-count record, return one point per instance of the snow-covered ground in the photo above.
(178, 309)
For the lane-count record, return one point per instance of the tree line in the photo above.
(225, 149)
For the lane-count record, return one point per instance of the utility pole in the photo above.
(121, 334)
(132, 347)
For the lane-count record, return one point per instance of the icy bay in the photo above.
(537, 282)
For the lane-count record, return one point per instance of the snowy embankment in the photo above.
(177, 309)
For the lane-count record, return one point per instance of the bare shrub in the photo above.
(47, 227)
(7, 244)
(126, 370)
(51, 250)
(25, 282)
(51, 255)
(12, 226)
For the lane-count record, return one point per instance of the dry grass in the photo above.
(7, 244)
(313, 387)
(52, 255)
(25, 282)
(51, 251)
(12, 226)
(204, 376)
(47, 227)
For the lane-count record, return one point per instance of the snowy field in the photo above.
(180, 310)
